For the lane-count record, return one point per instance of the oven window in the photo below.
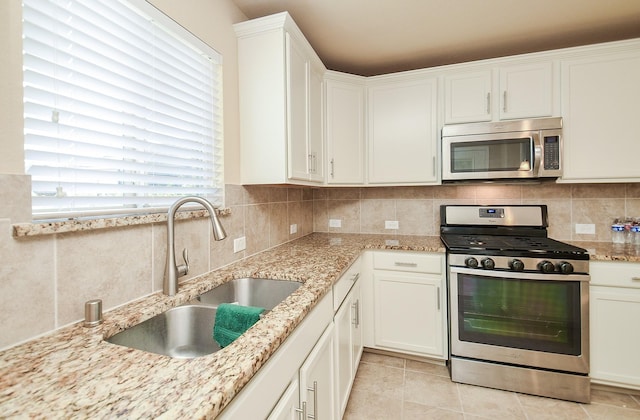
(490, 156)
(524, 314)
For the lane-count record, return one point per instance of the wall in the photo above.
(46, 280)
(417, 209)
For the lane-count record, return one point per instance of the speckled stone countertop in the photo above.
(606, 251)
(74, 373)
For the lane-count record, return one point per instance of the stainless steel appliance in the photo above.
(519, 302)
(518, 149)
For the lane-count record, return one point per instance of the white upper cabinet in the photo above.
(280, 86)
(344, 118)
(500, 93)
(468, 97)
(600, 94)
(402, 139)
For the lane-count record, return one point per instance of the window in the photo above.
(122, 109)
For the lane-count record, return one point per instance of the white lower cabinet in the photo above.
(406, 304)
(614, 336)
(317, 384)
(288, 408)
(348, 345)
(268, 393)
(311, 393)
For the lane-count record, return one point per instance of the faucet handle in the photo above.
(184, 268)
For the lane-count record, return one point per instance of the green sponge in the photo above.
(232, 321)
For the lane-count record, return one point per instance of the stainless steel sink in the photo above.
(263, 293)
(186, 331)
(183, 332)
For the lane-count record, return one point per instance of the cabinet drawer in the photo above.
(408, 261)
(615, 274)
(345, 282)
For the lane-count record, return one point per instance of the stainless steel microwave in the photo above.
(506, 150)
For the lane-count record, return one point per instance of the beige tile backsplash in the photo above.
(46, 279)
(417, 209)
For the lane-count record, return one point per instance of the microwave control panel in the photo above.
(551, 152)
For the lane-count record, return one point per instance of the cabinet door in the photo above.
(402, 136)
(297, 100)
(600, 117)
(526, 91)
(343, 347)
(316, 379)
(348, 345)
(288, 407)
(408, 312)
(614, 337)
(316, 143)
(468, 97)
(345, 132)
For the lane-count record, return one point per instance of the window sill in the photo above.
(21, 230)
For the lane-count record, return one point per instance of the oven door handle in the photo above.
(520, 274)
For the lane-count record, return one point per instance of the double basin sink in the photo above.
(186, 331)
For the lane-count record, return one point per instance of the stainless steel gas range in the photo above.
(518, 302)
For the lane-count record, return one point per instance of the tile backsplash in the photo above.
(417, 209)
(53, 275)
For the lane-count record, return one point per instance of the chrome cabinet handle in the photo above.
(356, 309)
(355, 277)
(504, 101)
(302, 411)
(438, 297)
(315, 400)
(635, 278)
(331, 168)
(489, 103)
(433, 160)
(405, 264)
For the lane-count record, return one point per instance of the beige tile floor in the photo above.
(393, 388)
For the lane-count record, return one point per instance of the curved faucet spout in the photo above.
(173, 271)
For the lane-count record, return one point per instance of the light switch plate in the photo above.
(293, 229)
(391, 224)
(335, 223)
(586, 229)
(239, 244)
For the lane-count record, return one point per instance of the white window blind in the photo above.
(122, 109)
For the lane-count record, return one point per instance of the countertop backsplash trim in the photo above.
(21, 230)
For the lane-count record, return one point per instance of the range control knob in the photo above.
(546, 266)
(516, 265)
(471, 262)
(565, 267)
(488, 263)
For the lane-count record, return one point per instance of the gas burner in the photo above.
(464, 229)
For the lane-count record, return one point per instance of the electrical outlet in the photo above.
(335, 223)
(240, 244)
(586, 229)
(293, 229)
(391, 224)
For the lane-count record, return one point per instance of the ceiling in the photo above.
(369, 37)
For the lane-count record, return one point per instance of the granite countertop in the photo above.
(73, 372)
(607, 251)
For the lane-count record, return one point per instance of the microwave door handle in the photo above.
(537, 155)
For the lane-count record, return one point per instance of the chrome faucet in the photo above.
(173, 271)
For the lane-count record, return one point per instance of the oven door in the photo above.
(491, 156)
(527, 319)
